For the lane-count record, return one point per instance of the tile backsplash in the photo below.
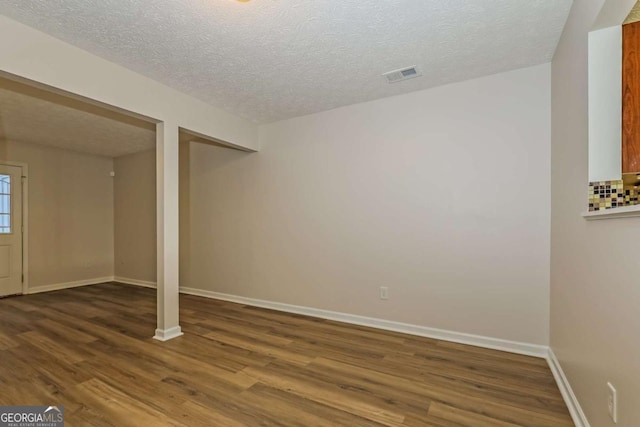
(611, 194)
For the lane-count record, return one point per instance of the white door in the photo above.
(10, 230)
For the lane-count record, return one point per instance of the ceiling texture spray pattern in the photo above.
(28, 115)
(634, 15)
(268, 60)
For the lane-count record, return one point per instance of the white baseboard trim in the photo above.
(570, 399)
(135, 282)
(68, 285)
(168, 334)
(577, 414)
(423, 331)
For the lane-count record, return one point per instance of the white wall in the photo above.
(441, 195)
(605, 104)
(595, 290)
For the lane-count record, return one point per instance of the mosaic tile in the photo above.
(611, 194)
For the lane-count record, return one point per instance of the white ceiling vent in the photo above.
(402, 74)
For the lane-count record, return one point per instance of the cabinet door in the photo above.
(631, 98)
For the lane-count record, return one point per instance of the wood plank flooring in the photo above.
(89, 349)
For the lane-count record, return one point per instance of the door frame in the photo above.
(25, 221)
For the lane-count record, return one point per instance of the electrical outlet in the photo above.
(384, 292)
(612, 402)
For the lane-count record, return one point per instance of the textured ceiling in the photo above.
(273, 59)
(32, 115)
(634, 15)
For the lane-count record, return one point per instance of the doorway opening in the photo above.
(13, 228)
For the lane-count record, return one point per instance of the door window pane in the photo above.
(5, 204)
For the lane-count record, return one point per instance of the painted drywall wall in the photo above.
(440, 195)
(595, 292)
(185, 212)
(135, 216)
(70, 213)
(36, 56)
(605, 104)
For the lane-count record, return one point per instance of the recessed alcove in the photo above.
(612, 183)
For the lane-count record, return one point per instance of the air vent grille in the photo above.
(402, 74)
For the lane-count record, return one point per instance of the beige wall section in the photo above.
(595, 290)
(185, 212)
(135, 216)
(70, 213)
(440, 195)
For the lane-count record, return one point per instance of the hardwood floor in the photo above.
(89, 349)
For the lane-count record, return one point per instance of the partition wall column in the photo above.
(167, 184)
